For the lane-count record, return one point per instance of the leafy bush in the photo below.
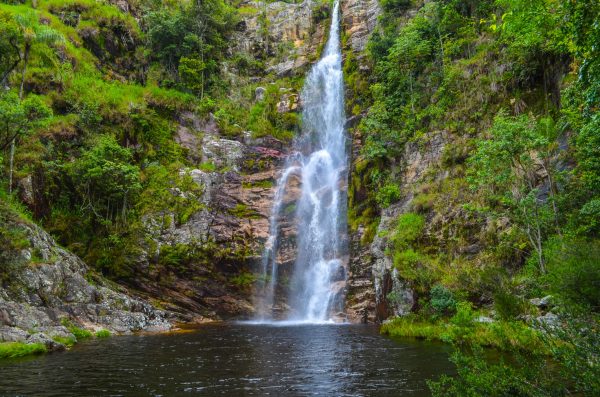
(573, 371)
(508, 304)
(442, 300)
(105, 179)
(388, 194)
(574, 271)
(465, 316)
(408, 229)
(103, 333)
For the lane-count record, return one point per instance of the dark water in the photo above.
(234, 360)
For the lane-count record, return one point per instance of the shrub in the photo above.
(409, 228)
(388, 194)
(464, 316)
(103, 333)
(442, 300)
(508, 305)
(574, 271)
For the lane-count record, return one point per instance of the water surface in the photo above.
(234, 360)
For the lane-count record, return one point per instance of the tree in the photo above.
(507, 165)
(105, 181)
(10, 46)
(190, 40)
(17, 119)
(25, 33)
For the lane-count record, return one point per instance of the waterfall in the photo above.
(319, 160)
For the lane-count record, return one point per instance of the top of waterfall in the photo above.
(333, 44)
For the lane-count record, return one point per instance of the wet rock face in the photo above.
(59, 286)
(236, 201)
(360, 295)
(393, 295)
(375, 289)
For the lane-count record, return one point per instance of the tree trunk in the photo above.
(13, 142)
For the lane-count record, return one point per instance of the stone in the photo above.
(43, 339)
(12, 334)
(359, 18)
(550, 320)
(58, 288)
(291, 41)
(543, 303)
(484, 320)
(259, 94)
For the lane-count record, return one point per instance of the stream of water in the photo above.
(319, 160)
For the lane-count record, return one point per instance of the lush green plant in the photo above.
(574, 272)
(78, 332)
(244, 279)
(19, 349)
(573, 371)
(103, 333)
(502, 335)
(442, 300)
(409, 228)
(388, 194)
(106, 182)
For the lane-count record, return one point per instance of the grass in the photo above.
(20, 349)
(103, 333)
(502, 335)
(261, 184)
(65, 340)
(243, 211)
(78, 333)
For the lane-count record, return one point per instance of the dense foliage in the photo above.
(499, 99)
(508, 207)
(93, 95)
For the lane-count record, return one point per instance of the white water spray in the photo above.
(319, 159)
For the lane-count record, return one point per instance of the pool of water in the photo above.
(235, 360)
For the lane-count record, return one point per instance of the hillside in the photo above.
(141, 142)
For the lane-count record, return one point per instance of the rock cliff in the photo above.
(50, 287)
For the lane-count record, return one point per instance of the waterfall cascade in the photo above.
(319, 160)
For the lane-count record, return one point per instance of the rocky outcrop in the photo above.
(375, 289)
(237, 179)
(393, 295)
(285, 35)
(49, 286)
(359, 19)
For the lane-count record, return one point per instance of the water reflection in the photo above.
(235, 360)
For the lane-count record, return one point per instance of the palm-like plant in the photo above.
(33, 33)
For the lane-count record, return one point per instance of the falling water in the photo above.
(319, 160)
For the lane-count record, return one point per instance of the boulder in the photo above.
(45, 340)
(543, 303)
(259, 94)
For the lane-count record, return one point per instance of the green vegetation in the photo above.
(78, 332)
(94, 99)
(103, 333)
(505, 209)
(463, 329)
(19, 349)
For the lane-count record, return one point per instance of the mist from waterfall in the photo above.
(319, 160)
